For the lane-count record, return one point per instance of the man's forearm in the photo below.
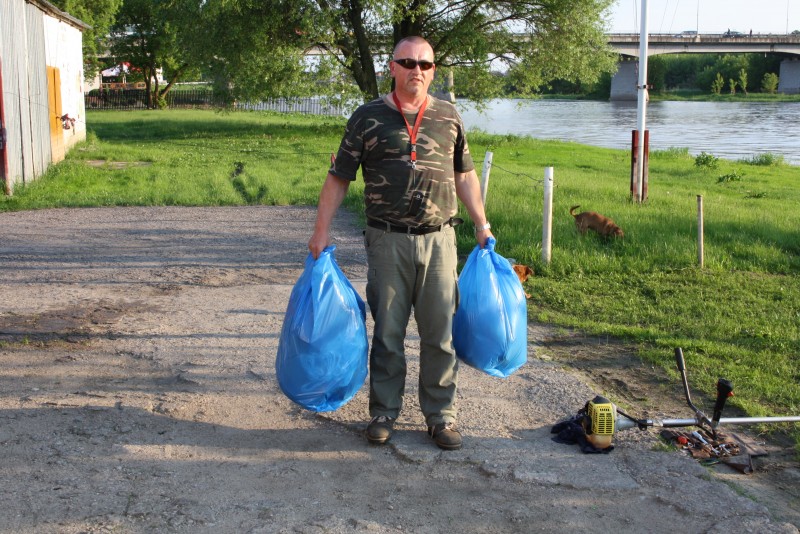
(330, 198)
(468, 190)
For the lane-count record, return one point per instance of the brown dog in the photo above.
(523, 273)
(589, 220)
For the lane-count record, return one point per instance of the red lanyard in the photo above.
(412, 132)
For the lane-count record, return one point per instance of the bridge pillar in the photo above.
(789, 77)
(624, 82)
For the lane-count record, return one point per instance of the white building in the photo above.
(41, 88)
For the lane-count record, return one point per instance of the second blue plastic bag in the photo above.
(322, 352)
(490, 328)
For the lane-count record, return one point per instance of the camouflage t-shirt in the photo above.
(376, 138)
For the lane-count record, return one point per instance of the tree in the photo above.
(743, 80)
(769, 84)
(717, 84)
(100, 15)
(146, 35)
(259, 46)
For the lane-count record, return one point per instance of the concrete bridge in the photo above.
(623, 84)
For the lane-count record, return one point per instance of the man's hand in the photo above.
(482, 236)
(318, 242)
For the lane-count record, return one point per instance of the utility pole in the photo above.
(697, 20)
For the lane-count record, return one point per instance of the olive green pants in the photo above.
(419, 272)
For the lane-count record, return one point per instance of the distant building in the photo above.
(41, 88)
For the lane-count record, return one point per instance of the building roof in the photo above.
(63, 16)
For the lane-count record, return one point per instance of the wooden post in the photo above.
(487, 168)
(700, 244)
(547, 214)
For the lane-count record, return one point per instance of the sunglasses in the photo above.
(410, 64)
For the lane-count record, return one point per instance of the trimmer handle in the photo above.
(724, 390)
(679, 360)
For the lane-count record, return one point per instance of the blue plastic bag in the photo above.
(490, 328)
(322, 351)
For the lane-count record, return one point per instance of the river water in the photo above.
(729, 130)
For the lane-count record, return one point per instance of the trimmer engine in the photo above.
(599, 421)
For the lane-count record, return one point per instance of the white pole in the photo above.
(487, 168)
(547, 222)
(642, 107)
(700, 231)
(697, 22)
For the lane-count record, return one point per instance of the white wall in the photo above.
(64, 50)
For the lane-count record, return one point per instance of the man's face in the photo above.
(413, 82)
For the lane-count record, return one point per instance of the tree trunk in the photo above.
(363, 67)
(174, 79)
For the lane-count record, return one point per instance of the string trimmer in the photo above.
(601, 418)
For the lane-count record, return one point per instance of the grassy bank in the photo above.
(705, 96)
(738, 317)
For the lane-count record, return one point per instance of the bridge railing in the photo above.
(688, 36)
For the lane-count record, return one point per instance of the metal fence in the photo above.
(132, 99)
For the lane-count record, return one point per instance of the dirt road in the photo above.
(138, 394)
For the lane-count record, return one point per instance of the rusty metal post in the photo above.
(636, 188)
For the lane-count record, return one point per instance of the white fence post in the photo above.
(700, 238)
(487, 168)
(547, 214)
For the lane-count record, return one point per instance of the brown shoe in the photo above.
(379, 429)
(445, 436)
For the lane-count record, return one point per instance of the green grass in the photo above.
(738, 317)
(725, 96)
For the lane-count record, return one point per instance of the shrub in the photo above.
(769, 84)
(708, 161)
(765, 160)
(734, 176)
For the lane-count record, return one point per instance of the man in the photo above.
(416, 163)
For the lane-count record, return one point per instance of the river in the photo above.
(729, 130)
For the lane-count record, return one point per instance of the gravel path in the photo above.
(138, 394)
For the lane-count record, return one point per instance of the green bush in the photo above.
(765, 160)
(706, 160)
(733, 176)
(769, 84)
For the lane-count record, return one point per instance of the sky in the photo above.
(707, 16)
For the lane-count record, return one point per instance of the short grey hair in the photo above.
(415, 39)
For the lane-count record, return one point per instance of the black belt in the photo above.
(413, 230)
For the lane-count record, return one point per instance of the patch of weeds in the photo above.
(755, 194)
(663, 446)
(734, 176)
(672, 152)
(765, 160)
(706, 161)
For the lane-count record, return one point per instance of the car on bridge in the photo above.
(730, 33)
